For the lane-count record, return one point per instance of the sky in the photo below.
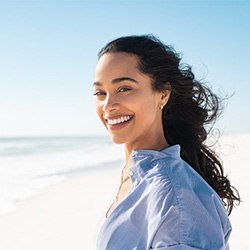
(48, 53)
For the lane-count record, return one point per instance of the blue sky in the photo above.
(48, 55)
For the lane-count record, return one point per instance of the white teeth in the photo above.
(119, 120)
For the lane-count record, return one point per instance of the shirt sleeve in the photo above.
(182, 247)
(169, 237)
(168, 234)
(177, 247)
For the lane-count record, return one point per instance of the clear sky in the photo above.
(48, 55)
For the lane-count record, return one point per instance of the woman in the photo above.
(173, 189)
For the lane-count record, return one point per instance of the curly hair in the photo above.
(191, 107)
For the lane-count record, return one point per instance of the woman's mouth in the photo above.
(120, 122)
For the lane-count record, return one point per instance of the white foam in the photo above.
(25, 175)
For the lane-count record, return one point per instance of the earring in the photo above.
(161, 107)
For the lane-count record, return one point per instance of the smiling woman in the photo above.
(173, 189)
(124, 92)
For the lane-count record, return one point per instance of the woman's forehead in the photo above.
(118, 59)
(115, 65)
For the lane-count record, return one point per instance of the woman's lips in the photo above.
(118, 122)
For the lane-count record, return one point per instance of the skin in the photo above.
(121, 90)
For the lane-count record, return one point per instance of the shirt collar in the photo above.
(142, 159)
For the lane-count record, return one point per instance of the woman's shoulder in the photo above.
(182, 177)
(175, 183)
(187, 203)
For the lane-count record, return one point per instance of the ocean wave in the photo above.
(28, 166)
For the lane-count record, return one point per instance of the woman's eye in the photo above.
(124, 89)
(98, 93)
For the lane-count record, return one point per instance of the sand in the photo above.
(65, 216)
(69, 214)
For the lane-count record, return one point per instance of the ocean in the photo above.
(29, 165)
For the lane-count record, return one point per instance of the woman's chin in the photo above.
(118, 139)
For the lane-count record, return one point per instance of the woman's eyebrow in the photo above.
(117, 80)
(121, 79)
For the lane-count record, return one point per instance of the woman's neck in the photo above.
(156, 144)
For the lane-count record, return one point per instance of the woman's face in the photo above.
(125, 101)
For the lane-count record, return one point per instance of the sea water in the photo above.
(29, 165)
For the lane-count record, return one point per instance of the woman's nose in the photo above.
(110, 104)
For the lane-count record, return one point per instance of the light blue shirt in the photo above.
(169, 207)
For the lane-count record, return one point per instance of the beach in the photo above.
(68, 214)
(64, 216)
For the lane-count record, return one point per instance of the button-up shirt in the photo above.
(169, 207)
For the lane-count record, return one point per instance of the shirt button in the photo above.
(131, 172)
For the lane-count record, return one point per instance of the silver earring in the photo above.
(162, 106)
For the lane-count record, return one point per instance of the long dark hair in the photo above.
(191, 107)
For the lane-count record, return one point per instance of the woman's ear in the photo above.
(166, 94)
